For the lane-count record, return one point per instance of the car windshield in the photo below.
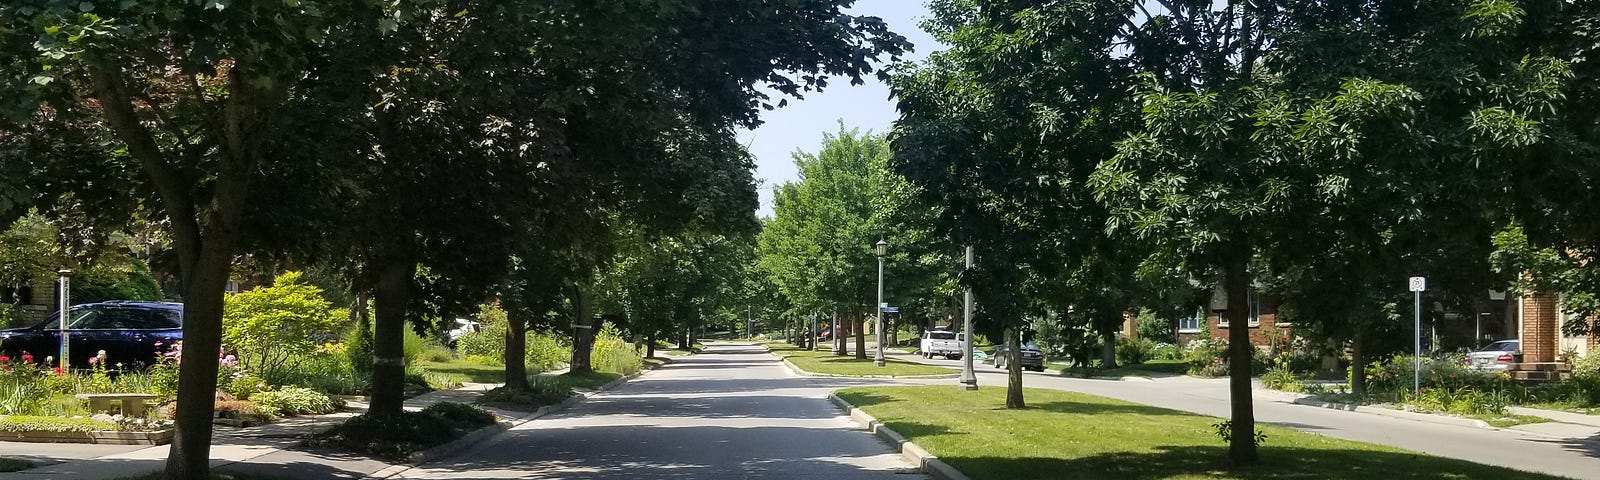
(117, 318)
(942, 335)
(1501, 346)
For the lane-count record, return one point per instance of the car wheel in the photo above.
(954, 357)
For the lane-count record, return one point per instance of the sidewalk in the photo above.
(260, 450)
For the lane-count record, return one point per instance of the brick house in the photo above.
(1540, 317)
(33, 300)
(1208, 321)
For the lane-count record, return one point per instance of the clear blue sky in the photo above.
(800, 125)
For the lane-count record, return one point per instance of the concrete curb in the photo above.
(925, 461)
(1392, 413)
(798, 371)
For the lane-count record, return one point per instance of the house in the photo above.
(1209, 321)
(33, 300)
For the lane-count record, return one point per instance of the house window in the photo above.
(1255, 307)
(1253, 299)
(1192, 323)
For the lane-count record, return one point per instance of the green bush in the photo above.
(460, 413)
(434, 352)
(358, 346)
(1586, 379)
(294, 401)
(395, 438)
(248, 412)
(548, 352)
(33, 423)
(1132, 351)
(1281, 377)
(1167, 351)
(1207, 357)
(541, 391)
(612, 353)
(272, 328)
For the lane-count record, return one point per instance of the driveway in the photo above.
(732, 412)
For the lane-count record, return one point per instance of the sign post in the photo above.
(1418, 284)
(969, 380)
(66, 306)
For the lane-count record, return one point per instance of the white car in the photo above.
(1496, 356)
(943, 343)
(463, 327)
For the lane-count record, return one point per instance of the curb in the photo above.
(468, 440)
(925, 461)
(797, 370)
(1392, 413)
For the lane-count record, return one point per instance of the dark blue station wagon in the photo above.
(131, 333)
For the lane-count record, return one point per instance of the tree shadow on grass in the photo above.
(1277, 463)
(1093, 408)
(864, 399)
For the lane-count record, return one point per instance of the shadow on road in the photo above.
(1277, 463)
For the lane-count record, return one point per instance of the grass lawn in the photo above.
(823, 361)
(1071, 435)
(587, 381)
(469, 371)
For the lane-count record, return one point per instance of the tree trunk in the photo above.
(650, 346)
(190, 453)
(1242, 445)
(859, 322)
(1014, 369)
(1108, 349)
(1358, 364)
(683, 338)
(388, 347)
(583, 333)
(838, 336)
(516, 355)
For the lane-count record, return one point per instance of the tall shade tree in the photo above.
(190, 92)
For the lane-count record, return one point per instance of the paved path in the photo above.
(732, 412)
(1564, 449)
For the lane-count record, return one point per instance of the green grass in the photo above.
(1509, 420)
(824, 362)
(588, 381)
(1071, 435)
(468, 371)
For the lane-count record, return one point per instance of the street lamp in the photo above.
(969, 380)
(883, 249)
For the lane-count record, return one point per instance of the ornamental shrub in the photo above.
(612, 353)
(289, 401)
(275, 328)
(1131, 351)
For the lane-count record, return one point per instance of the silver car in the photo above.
(1496, 356)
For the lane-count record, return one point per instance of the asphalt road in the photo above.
(1555, 448)
(732, 412)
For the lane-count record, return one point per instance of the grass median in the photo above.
(825, 362)
(1072, 435)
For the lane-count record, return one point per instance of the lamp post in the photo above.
(66, 303)
(969, 380)
(883, 249)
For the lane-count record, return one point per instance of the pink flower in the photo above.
(27, 357)
(94, 360)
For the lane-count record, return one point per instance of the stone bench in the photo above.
(132, 403)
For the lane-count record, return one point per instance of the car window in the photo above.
(1506, 346)
(92, 319)
(942, 335)
(150, 319)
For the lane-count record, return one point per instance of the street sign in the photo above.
(1419, 284)
(891, 309)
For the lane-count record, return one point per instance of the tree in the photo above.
(192, 92)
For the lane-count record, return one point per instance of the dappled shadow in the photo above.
(675, 452)
(731, 406)
(1277, 463)
(1097, 408)
(1587, 446)
(298, 470)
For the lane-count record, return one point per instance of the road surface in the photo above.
(732, 412)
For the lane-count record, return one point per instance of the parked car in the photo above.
(464, 326)
(1495, 356)
(944, 343)
(1032, 357)
(131, 333)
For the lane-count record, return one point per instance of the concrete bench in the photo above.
(132, 403)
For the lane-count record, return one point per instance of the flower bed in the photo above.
(101, 429)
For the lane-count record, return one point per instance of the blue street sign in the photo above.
(891, 309)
